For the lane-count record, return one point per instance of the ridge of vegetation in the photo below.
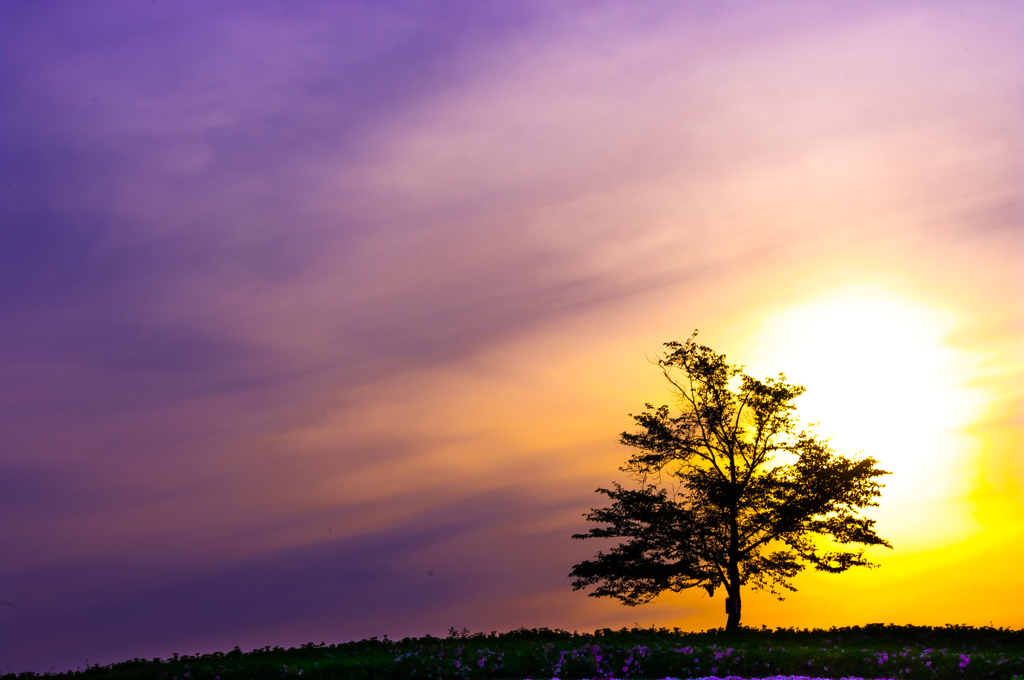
(871, 651)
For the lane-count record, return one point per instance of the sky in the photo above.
(321, 321)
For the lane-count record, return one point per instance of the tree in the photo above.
(731, 517)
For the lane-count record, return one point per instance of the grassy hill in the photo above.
(873, 651)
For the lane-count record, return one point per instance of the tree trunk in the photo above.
(733, 606)
(733, 586)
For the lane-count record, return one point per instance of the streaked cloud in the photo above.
(344, 293)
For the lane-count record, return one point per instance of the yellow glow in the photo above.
(882, 378)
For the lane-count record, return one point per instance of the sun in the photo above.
(882, 379)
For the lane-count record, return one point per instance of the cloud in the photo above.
(263, 264)
(425, 573)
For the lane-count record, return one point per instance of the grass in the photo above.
(873, 651)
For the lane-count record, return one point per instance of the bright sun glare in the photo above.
(882, 379)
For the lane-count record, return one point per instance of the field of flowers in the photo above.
(876, 651)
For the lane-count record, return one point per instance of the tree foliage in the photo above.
(715, 507)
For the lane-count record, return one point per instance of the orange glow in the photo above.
(882, 379)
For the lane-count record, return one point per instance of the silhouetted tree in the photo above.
(731, 516)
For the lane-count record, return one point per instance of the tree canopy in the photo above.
(714, 507)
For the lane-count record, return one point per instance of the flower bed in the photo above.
(868, 653)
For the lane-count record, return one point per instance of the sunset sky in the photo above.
(321, 320)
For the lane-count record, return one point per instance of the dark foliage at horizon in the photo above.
(872, 651)
(732, 519)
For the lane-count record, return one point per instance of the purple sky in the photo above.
(300, 303)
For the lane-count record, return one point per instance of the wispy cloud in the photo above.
(382, 268)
